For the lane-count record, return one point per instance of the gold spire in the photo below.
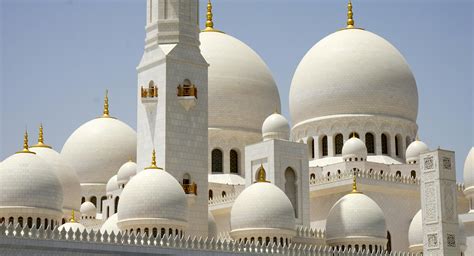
(353, 135)
(209, 22)
(354, 182)
(350, 20)
(153, 162)
(25, 145)
(106, 105)
(261, 174)
(41, 139)
(72, 219)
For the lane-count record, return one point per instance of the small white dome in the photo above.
(276, 127)
(211, 225)
(354, 148)
(98, 148)
(66, 175)
(72, 225)
(27, 181)
(414, 150)
(112, 185)
(155, 197)
(469, 173)
(262, 208)
(241, 88)
(126, 171)
(110, 225)
(415, 233)
(88, 209)
(356, 216)
(353, 71)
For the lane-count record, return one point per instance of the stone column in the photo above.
(378, 143)
(330, 145)
(439, 203)
(316, 147)
(391, 145)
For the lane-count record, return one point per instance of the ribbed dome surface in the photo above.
(26, 180)
(66, 175)
(242, 92)
(262, 205)
(153, 194)
(355, 215)
(98, 148)
(353, 71)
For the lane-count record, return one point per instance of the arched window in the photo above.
(398, 145)
(108, 212)
(102, 199)
(291, 189)
(398, 174)
(312, 176)
(324, 145)
(310, 143)
(20, 221)
(170, 231)
(2, 220)
(211, 194)
(155, 232)
(38, 222)
(389, 242)
(93, 200)
(163, 232)
(413, 174)
(216, 160)
(52, 224)
(83, 200)
(11, 220)
(384, 138)
(370, 143)
(234, 161)
(223, 194)
(338, 143)
(146, 230)
(117, 199)
(30, 222)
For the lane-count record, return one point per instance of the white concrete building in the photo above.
(230, 175)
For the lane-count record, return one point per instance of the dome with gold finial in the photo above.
(72, 224)
(352, 72)
(97, 149)
(276, 126)
(356, 219)
(414, 150)
(153, 199)
(30, 187)
(242, 91)
(262, 210)
(66, 174)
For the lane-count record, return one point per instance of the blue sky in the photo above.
(58, 56)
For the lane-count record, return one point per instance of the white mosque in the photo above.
(214, 169)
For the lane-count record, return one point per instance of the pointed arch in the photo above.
(324, 145)
(291, 188)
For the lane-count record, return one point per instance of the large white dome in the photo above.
(262, 206)
(353, 71)
(469, 173)
(66, 175)
(152, 195)
(27, 181)
(98, 148)
(415, 233)
(276, 126)
(242, 92)
(356, 216)
(414, 150)
(126, 171)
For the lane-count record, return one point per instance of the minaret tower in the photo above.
(172, 102)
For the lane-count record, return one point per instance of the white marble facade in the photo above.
(212, 158)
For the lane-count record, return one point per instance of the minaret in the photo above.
(172, 108)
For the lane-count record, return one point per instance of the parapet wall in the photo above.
(37, 241)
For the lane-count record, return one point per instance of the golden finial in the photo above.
(209, 21)
(41, 139)
(72, 219)
(354, 183)
(261, 174)
(25, 145)
(153, 161)
(350, 20)
(106, 104)
(353, 135)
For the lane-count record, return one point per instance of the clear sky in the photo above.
(58, 56)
